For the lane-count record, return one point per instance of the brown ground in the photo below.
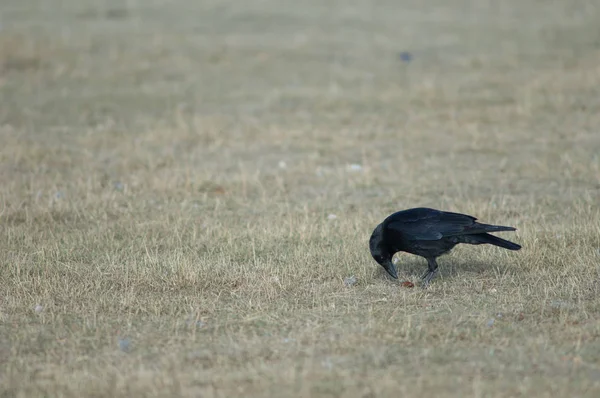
(169, 171)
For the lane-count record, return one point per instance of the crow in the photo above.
(429, 233)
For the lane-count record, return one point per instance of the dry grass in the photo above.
(168, 169)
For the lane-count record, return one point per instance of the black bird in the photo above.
(429, 233)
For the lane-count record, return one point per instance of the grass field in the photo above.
(185, 186)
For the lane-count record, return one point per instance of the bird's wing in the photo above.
(429, 224)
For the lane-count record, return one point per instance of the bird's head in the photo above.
(380, 252)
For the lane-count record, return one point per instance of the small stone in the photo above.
(350, 281)
(124, 344)
(490, 323)
(561, 304)
(405, 56)
(331, 217)
(198, 323)
(38, 308)
(282, 164)
(355, 167)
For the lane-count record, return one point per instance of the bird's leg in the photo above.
(432, 267)
(431, 272)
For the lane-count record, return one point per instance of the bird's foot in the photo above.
(427, 277)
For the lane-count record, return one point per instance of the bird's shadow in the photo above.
(448, 268)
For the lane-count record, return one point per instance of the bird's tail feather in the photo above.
(496, 241)
(496, 228)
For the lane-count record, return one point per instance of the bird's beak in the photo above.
(391, 269)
